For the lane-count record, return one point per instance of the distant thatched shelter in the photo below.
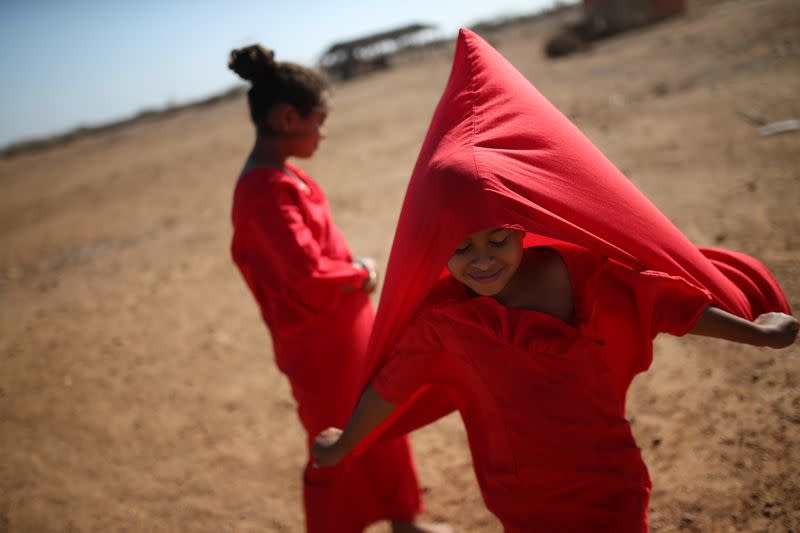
(347, 59)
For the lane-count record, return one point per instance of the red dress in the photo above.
(299, 269)
(499, 154)
(543, 401)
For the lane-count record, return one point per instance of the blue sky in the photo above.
(85, 62)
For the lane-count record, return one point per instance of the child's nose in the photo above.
(483, 261)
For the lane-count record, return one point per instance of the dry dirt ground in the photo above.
(137, 387)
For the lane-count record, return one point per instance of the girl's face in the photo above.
(487, 260)
(304, 133)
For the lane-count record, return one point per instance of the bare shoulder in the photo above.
(549, 266)
(551, 290)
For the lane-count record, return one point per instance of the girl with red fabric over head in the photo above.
(313, 296)
(527, 280)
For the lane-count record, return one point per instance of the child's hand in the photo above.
(325, 450)
(780, 330)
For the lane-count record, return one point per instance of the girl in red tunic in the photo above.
(536, 347)
(526, 283)
(313, 296)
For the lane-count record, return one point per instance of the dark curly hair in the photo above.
(275, 83)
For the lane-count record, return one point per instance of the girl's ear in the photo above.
(283, 118)
(289, 117)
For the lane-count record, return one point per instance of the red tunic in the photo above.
(499, 154)
(543, 401)
(300, 271)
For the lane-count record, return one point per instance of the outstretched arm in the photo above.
(333, 445)
(775, 330)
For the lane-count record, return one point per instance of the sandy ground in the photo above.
(137, 387)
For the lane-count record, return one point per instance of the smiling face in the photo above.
(487, 260)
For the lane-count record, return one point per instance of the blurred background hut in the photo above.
(348, 59)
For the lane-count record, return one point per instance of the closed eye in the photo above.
(464, 248)
(499, 244)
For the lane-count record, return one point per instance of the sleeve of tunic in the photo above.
(654, 301)
(414, 362)
(632, 307)
(286, 252)
(668, 304)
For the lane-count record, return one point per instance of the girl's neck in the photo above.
(268, 151)
(520, 289)
(541, 283)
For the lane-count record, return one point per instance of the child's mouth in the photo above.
(487, 278)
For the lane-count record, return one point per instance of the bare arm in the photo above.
(333, 445)
(776, 330)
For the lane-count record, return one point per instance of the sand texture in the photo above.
(137, 386)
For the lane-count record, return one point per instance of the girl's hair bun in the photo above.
(252, 63)
(275, 83)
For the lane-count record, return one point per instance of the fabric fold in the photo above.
(498, 153)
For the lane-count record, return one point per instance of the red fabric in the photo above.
(497, 153)
(543, 401)
(299, 269)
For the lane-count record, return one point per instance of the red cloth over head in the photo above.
(498, 153)
(542, 398)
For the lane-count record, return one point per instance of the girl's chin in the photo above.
(485, 290)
